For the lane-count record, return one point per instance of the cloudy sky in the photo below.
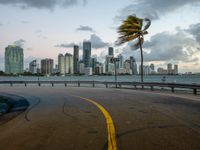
(45, 28)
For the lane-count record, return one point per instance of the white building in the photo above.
(81, 67)
(88, 71)
(127, 67)
(69, 65)
(65, 64)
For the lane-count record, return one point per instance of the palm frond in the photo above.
(132, 28)
(148, 24)
(126, 38)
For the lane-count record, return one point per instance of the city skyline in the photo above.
(70, 64)
(46, 30)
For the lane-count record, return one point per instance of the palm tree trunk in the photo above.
(141, 50)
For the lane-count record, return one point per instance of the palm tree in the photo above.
(134, 28)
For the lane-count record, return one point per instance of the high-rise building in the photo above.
(87, 53)
(175, 69)
(94, 63)
(34, 67)
(127, 67)
(81, 67)
(69, 67)
(152, 67)
(14, 59)
(133, 65)
(76, 59)
(169, 68)
(65, 64)
(47, 66)
(99, 69)
(61, 64)
(111, 51)
(120, 62)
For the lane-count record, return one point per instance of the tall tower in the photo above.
(47, 66)
(33, 66)
(121, 60)
(69, 67)
(61, 64)
(76, 59)
(133, 65)
(14, 59)
(65, 64)
(169, 68)
(111, 51)
(87, 53)
(176, 69)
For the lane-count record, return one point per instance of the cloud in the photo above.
(42, 4)
(20, 42)
(153, 9)
(38, 31)
(195, 31)
(24, 22)
(66, 45)
(97, 42)
(85, 28)
(1, 24)
(183, 45)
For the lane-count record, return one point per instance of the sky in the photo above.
(45, 28)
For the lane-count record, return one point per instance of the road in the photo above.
(72, 118)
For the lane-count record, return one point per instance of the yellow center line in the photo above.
(112, 141)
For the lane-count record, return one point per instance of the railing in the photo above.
(151, 85)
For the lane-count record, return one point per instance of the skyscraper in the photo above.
(65, 64)
(120, 62)
(169, 69)
(87, 53)
(152, 67)
(94, 63)
(33, 67)
(111, 51)
(133, 66)
(47, 66)
(69, 67)
(61, 64)
(76, 59)
(14, 59)
(176, 69)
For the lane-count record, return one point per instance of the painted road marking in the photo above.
(112, 141)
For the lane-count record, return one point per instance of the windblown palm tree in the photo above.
(134, 28)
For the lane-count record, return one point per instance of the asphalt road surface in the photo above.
(71, 118)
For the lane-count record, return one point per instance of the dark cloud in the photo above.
(153, 9)
(42, 4)
(195, 31)
(66, 45)
(165, 46)
(20, 42)
(85, 28)
(97, 42)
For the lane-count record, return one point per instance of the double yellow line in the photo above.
(112, 141)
